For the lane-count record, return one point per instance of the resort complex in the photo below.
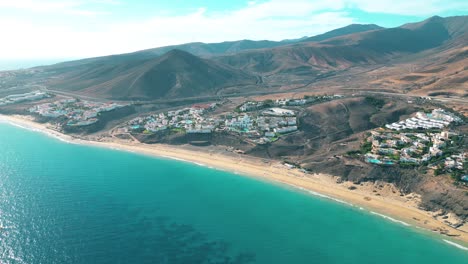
(258, 105)
(189, 119)
(75, 112)
(256, 122)
(19, 98)
(260, 127)
(420, 140)
(437, 119)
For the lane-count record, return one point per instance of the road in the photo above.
(409, 96)
(211, 98)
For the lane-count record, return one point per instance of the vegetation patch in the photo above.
(377, 102)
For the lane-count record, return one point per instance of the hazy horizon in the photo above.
(11, 64)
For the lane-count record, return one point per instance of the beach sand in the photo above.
(382, 199)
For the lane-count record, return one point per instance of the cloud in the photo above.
(64, 7)
(409, 7)
(273, 19)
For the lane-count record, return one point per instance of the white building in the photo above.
(284, 130)
(278, 112)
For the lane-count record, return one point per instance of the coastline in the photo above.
(391, 207)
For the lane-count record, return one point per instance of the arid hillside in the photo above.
(176, 74)
(427, 58)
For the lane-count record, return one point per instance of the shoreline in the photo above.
(392, 207)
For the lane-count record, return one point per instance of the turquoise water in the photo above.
(65, 203)
(374, 161)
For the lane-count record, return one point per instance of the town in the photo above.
(438, 119)
(19, 98)
(188, 119)
(420, 140)
(257, 105)
(258, 122)
(75, 112)
(259, 127)
(423, 139)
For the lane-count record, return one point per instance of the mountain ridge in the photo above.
(293, 64)
(175, 74)
(350, 29)
(207, 49)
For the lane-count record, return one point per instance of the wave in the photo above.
(322, 195)
(173, 158)
(199, 164)
(61, 138)
(43, 131)
(188, 161)
(455, 245)
(390, 218)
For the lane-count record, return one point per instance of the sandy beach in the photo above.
(388, 203)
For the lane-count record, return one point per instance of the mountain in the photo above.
(303, 59)
(414, 37)
(210, 49)
(195, 48)
(176, 74)
(237, 67)
(426, 58)
(456, 25)
(351, 29)
(215, 49)
(358, 49)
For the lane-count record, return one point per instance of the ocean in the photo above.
(68, 203)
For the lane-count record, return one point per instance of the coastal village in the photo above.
(191, 120)
(75, 112)
(420, 140)
(20, 98)
(261, 127)
(259, 122)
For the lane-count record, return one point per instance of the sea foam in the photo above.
(390, 218)
(455, 245)
(322, 195)
(43, 131)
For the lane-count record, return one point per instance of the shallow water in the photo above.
(67, 203)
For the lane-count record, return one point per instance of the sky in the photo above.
(69, 29)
